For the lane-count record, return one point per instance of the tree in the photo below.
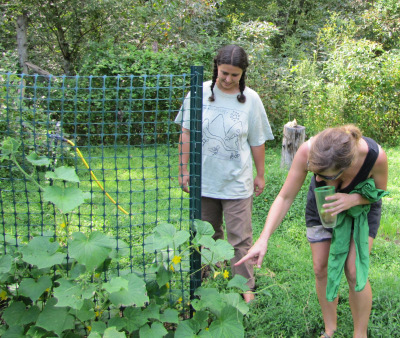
(298, 20)
(381, 23)
(64, 27)
(60, 32)
(54, 32)
(22, 26)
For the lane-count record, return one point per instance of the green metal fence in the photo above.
(119, 134)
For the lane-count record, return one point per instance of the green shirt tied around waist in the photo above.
(341, 235)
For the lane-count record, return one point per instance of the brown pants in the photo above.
(237, 214)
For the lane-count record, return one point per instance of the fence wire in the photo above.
(123, 128)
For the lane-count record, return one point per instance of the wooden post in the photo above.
(293, 137)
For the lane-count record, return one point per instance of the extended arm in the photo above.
(280, 206)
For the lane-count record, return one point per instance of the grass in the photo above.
(144, 182)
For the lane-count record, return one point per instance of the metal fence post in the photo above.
(196, 110)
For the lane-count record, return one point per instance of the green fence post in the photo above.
(196, 110)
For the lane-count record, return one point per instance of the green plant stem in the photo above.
(184, 250)
(199, 251)
(65, 219)
(26, 174)
(260, 290)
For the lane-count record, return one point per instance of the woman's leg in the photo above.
(360, 302)
(320, 254)
(237, 214)
(211, 211)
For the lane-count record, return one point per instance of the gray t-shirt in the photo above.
(229, 129)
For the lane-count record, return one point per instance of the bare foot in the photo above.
(248, 297)
(326, 335)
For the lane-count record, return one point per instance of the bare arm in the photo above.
(258, 153)
(184, 149)
(280, 206)
(380, 170)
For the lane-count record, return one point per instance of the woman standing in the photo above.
(343, 158)
(235, 128)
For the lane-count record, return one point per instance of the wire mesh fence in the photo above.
(119, 135)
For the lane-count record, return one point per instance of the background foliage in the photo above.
(323, 62)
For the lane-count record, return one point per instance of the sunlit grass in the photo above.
(390, 222)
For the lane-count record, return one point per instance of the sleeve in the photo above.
(183, 117)
(259, 127)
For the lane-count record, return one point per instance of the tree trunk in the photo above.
(67, 55)
(22, 25)
(293, 138)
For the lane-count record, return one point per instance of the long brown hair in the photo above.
(231, 55)
(334, 148)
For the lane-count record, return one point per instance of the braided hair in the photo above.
(231, 55)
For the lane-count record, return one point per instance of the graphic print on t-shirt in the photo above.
(221, 135)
